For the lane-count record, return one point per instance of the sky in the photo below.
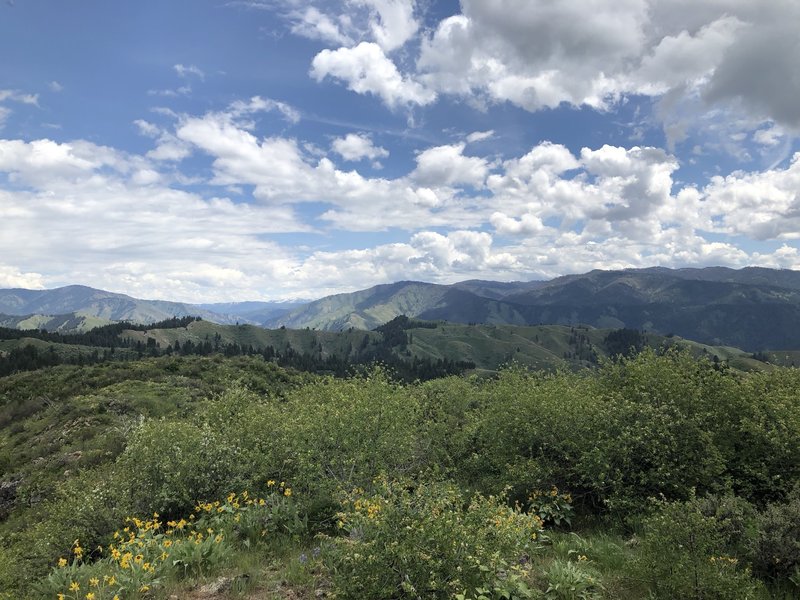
(213, 150)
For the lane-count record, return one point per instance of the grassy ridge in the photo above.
(488, 346)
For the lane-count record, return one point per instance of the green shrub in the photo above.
(168, 465)
(342, 434)
(429, 541)
(553, 507)
(777, 553)
(684, 555)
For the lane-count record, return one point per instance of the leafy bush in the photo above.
(684, 555)
(168, 464)
(428, 540)
(552, 507)
(337, 435)
(777, 553)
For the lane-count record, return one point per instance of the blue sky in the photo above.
(262, 149)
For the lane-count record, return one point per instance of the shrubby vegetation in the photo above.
(657, 475)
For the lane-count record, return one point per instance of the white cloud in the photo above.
(479, 136)
(355, 147)
(389, 23)
(428, 255)
(281, 171)
(21, 97)
(10, 277)
(761, 206)
(258, 104)
(367, 70)
(771, 136)
(732, 55)
(14, 96)
(55, 86)
(534, 54)
(392, 22)
(542, 213)
(45, 159)
(685, 58)
(526, 225)
(447, 165)
(137, 234)
(168, 147)
(313, 24)
(187, 71)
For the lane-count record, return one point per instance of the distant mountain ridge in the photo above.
(753, 308)
(89, 302)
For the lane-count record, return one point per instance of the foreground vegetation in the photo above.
(657, 476)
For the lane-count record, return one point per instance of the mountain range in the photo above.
(752, 308)
(78, 307)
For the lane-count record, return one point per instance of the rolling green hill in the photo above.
(489, 347)
(70, 323)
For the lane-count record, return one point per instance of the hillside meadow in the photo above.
(658, 476)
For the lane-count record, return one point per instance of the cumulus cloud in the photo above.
(731, 55)
(761, 205)
(11, 277)
(539, 55)
(355, 147)
(447, 165)
(391, 22)
(137, 234)
(42, 160)
(367, 70)
(282, 171)
(455, 213)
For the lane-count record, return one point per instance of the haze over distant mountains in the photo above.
(752, 308)
(96, 307)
